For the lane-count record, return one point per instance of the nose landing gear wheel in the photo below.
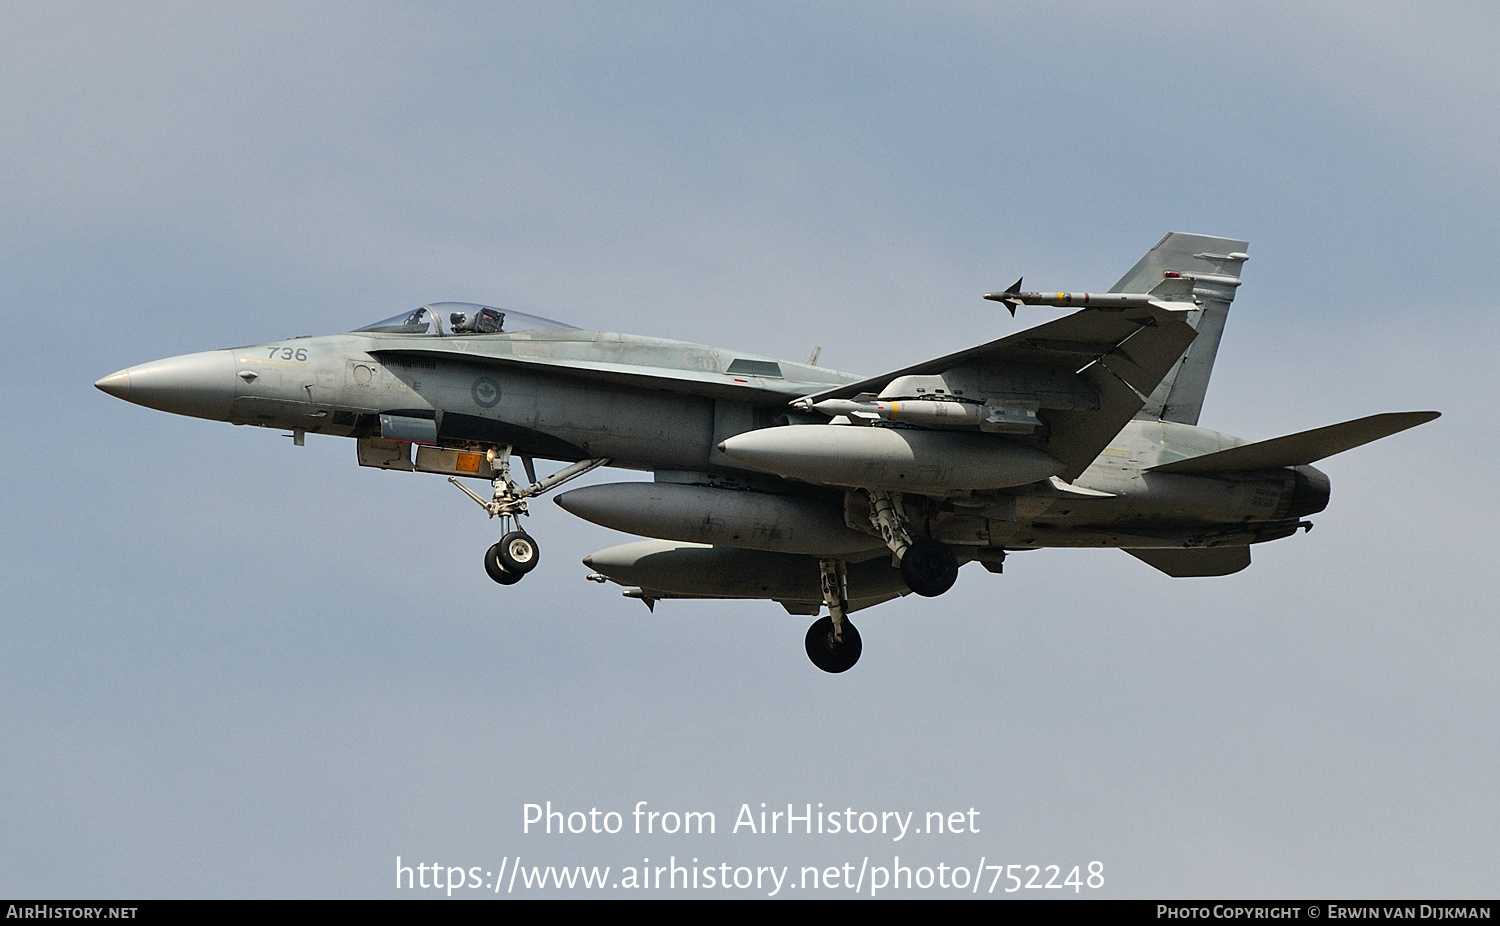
(829, 654)
(496, 571)
(517, 552)
(929, 568)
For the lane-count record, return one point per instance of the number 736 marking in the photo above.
(287, 353)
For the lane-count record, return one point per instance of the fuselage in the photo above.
(341, 385)
(665, 406)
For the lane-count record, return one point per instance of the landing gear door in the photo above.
(454, 463)
(384, 454)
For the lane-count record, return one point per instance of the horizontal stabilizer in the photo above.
(1195, 563)
(1302, 448)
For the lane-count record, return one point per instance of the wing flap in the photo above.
(1302, 448)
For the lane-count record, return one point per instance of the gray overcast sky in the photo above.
(238, 668)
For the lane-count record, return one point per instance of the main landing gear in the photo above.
(833, 644)
(928, 567)
(508, 561)
(833, 652)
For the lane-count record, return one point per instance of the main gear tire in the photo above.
(496, 571)
(517, 552)
(829, 654)
(929, 568)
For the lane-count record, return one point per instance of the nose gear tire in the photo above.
(496, 571)
(517, 552)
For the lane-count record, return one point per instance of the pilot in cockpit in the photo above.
(485, 321)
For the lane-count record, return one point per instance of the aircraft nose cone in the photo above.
(115, 384)
(200, 385)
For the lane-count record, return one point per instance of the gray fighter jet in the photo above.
(795, 483)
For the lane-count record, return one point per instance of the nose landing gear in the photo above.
(497, 570)
(509, 560)
(517, 553)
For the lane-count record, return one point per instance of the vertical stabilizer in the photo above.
(1213, 267)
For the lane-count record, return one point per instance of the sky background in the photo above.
(238, 668)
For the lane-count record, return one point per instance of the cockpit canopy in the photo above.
(460, 318)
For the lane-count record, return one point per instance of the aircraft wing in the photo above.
(1120, 354)
(1302, 448)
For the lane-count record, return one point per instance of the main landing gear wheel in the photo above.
(497, 571)
(829, 654)
(929, 568)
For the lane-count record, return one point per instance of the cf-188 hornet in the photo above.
(795, 483)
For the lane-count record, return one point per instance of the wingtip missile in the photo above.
(1008, 297)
